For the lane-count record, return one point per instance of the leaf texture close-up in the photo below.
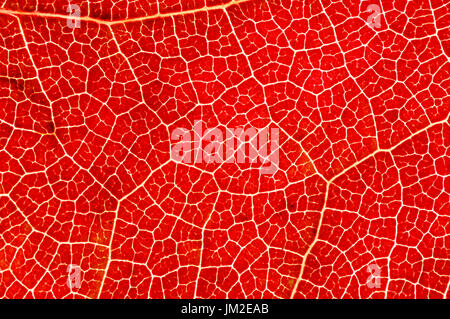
(336, 182)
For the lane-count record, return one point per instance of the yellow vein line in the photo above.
(331, 181)
(100, 21)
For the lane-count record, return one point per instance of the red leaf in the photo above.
(354, 97)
